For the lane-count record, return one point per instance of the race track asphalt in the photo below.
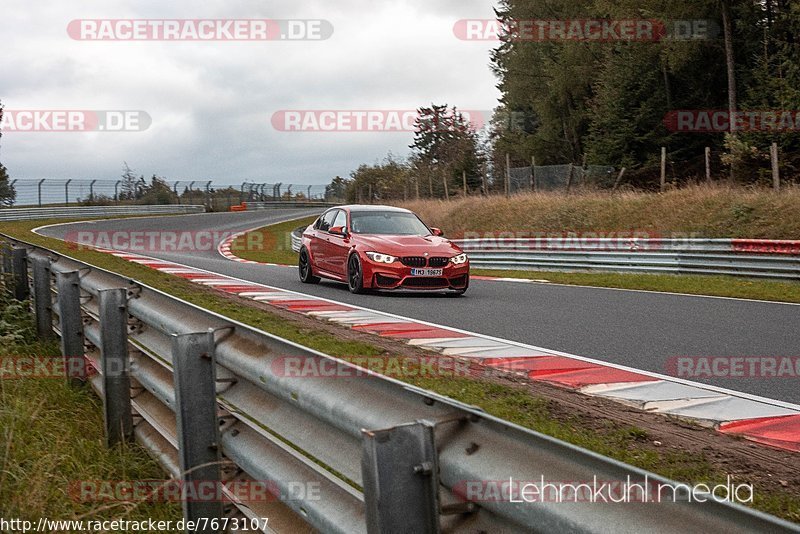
(633, 328)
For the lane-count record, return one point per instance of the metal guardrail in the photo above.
(297, 238)
(23, 214)
(735, 257)
(285, 204)
(743, 257)
(206, 396)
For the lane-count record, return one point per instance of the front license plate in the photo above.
(427, 272)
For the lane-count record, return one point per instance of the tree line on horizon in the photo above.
(608, 103)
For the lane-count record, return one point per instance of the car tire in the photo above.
(304, 268)
(355, 275)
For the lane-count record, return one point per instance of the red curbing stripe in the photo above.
(593, 376)
(781, 432)
(376, 328)
(427, 333)
(238, 289)
(541, 366)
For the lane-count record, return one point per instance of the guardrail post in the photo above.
(5, 250)
(400, 474)
(42, 298)
(19, 263)
(71, 324)
(198, 430)
(114, 366)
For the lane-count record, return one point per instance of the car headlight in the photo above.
(458, 260)
(377, 257)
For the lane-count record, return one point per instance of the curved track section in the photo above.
(640, 330)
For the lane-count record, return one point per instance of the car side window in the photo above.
(340, 220)
(327, 220)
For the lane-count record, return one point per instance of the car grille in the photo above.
(438, 262)
(425, 282)
(413, 261)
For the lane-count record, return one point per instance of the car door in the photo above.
(319, 239)
(338, 246)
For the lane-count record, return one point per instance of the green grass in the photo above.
(513, 404)
(51, 438)
(270, 244)
(720, 286)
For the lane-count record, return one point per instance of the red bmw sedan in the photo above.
(380, 247)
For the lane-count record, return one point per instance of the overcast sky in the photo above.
(211, 103)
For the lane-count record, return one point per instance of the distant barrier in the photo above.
(760, 258)
(24, 214)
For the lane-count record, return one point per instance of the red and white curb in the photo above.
(761, 420)
(224, 249)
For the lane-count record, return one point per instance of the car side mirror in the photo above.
(437, 232)
(338, 230)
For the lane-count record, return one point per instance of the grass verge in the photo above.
(51, 438)
(701, 211)
(719, 286)
(620, 441)
(270, 244)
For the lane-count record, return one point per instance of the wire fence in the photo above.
(215, 196)
(559, 177)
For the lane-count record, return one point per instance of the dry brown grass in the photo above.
(703, 210)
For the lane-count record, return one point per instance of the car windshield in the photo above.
(387, 223)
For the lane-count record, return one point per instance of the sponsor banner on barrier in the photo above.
(693, 367)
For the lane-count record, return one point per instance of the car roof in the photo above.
(372, 207)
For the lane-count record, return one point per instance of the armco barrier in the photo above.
(200, 390)
(23, 214)
(735, 257)
(249, 206)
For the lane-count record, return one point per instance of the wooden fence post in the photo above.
(776, 171)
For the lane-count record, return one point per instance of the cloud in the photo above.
(211, 102)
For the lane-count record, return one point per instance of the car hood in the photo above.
(409, 245)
